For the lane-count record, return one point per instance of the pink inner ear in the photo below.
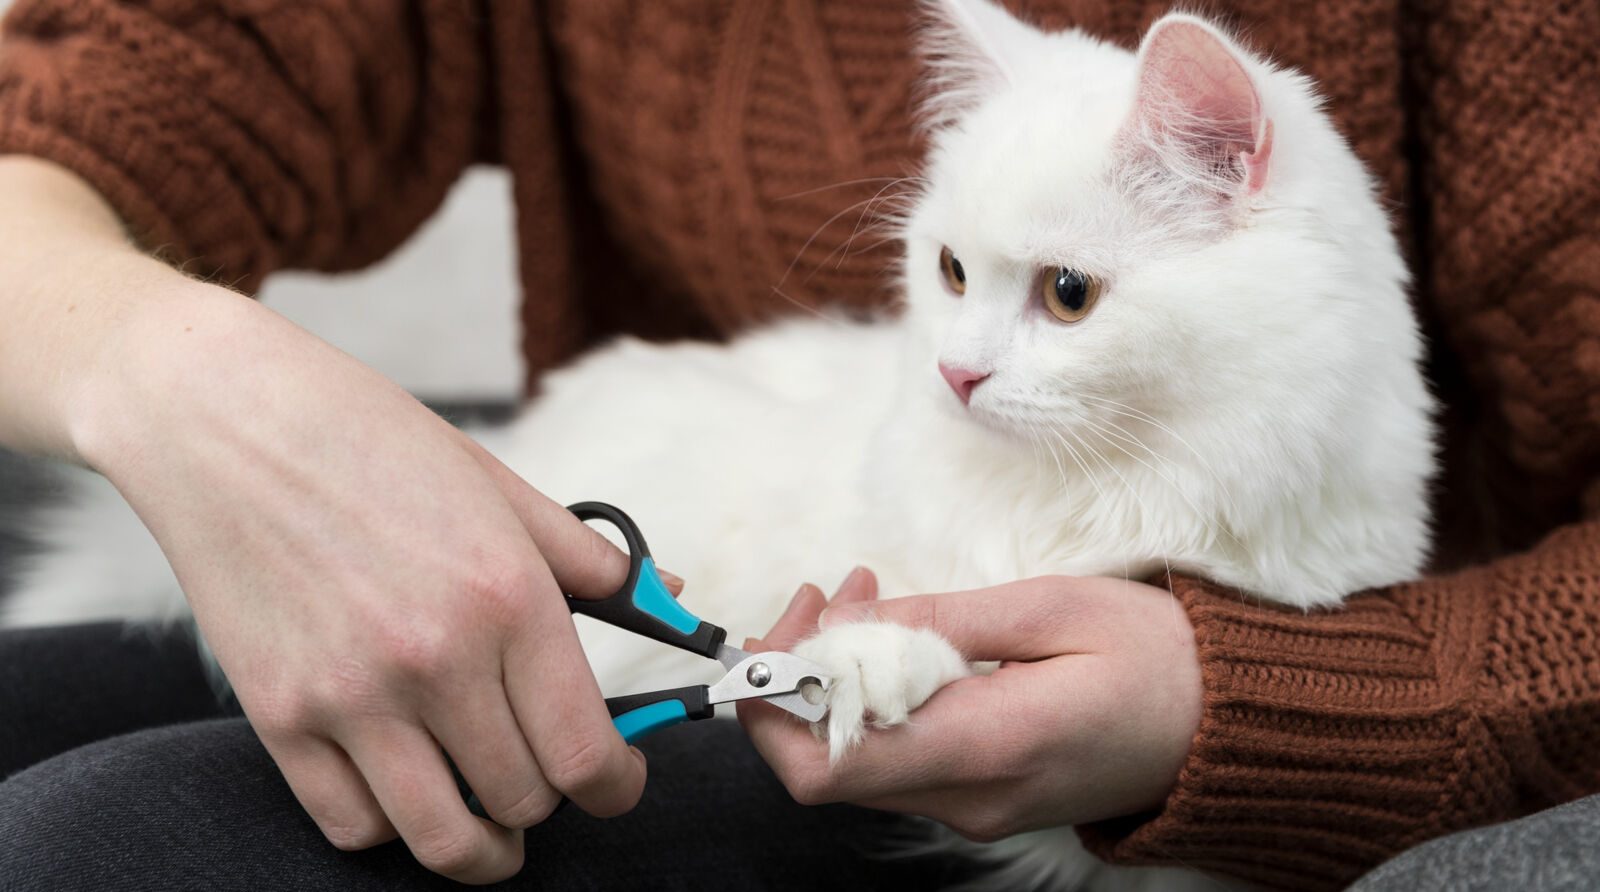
(1193, 90)
(1256, 162)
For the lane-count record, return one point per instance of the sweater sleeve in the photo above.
(1330, 742)
(241, 138)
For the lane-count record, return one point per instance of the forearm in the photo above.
(1332, 741)
(74, 292)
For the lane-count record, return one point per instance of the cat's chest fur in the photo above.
(1006, 511)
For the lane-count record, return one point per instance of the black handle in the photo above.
(643, 605)
(637, 715)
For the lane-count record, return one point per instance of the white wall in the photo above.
(440, 315)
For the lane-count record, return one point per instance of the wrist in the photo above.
(73, 292)
(173, 341)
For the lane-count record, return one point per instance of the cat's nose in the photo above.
(962, 381)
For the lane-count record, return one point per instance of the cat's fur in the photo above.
(1244, 403)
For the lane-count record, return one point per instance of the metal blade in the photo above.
(730, 656)
(774, 676)
(797, 704)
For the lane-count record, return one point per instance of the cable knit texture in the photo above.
(688, 168)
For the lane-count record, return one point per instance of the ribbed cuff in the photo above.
(132, 189)
(1326, 741)
(148, 224)
(134, 125)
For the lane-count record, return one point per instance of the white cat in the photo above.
(1154, 316)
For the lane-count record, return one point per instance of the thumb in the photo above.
(1024, 620)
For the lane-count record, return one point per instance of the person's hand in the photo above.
(1090, 716)
(375, 586)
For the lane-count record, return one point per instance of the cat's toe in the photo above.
(846, 722)
(881, 673)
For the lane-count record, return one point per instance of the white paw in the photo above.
(881, 673)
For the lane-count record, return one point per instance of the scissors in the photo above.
(645, 607)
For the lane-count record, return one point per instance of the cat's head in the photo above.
(1177, 231)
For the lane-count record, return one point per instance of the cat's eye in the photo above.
(955, 276)
(1069, 294)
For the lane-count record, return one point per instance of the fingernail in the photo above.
(854, 577)
(672, 581)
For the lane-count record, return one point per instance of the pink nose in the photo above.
(962, 381)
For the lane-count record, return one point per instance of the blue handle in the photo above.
(637, 715)
(652, 596)
(649, 719)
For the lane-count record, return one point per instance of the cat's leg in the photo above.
(882, 672)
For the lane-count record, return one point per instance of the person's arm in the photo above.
(69, 280)
(375, 586)
(1326, 742)
(1332, 742)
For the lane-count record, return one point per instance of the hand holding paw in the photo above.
(1089, 716)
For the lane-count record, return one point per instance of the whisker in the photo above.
(807, 307)
(1131, 412)
(1038, 430)
(1131, 489)
(1090, 476)
(1078, 460)
(813, 237)
(1140, 415)
(840, 185)
(1212, 527)
(1127, 574)
(1035, 434)
(843, 250)
(865, 204)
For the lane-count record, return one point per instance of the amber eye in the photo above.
(955, 278)
(1068, 293)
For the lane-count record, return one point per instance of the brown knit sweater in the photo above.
(673, 157)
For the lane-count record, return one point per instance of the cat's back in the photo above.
(663, 428)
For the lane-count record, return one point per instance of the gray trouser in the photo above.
(1558, 849)
(119, 769)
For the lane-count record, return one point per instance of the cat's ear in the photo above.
(1198, 107)
(968, 48)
